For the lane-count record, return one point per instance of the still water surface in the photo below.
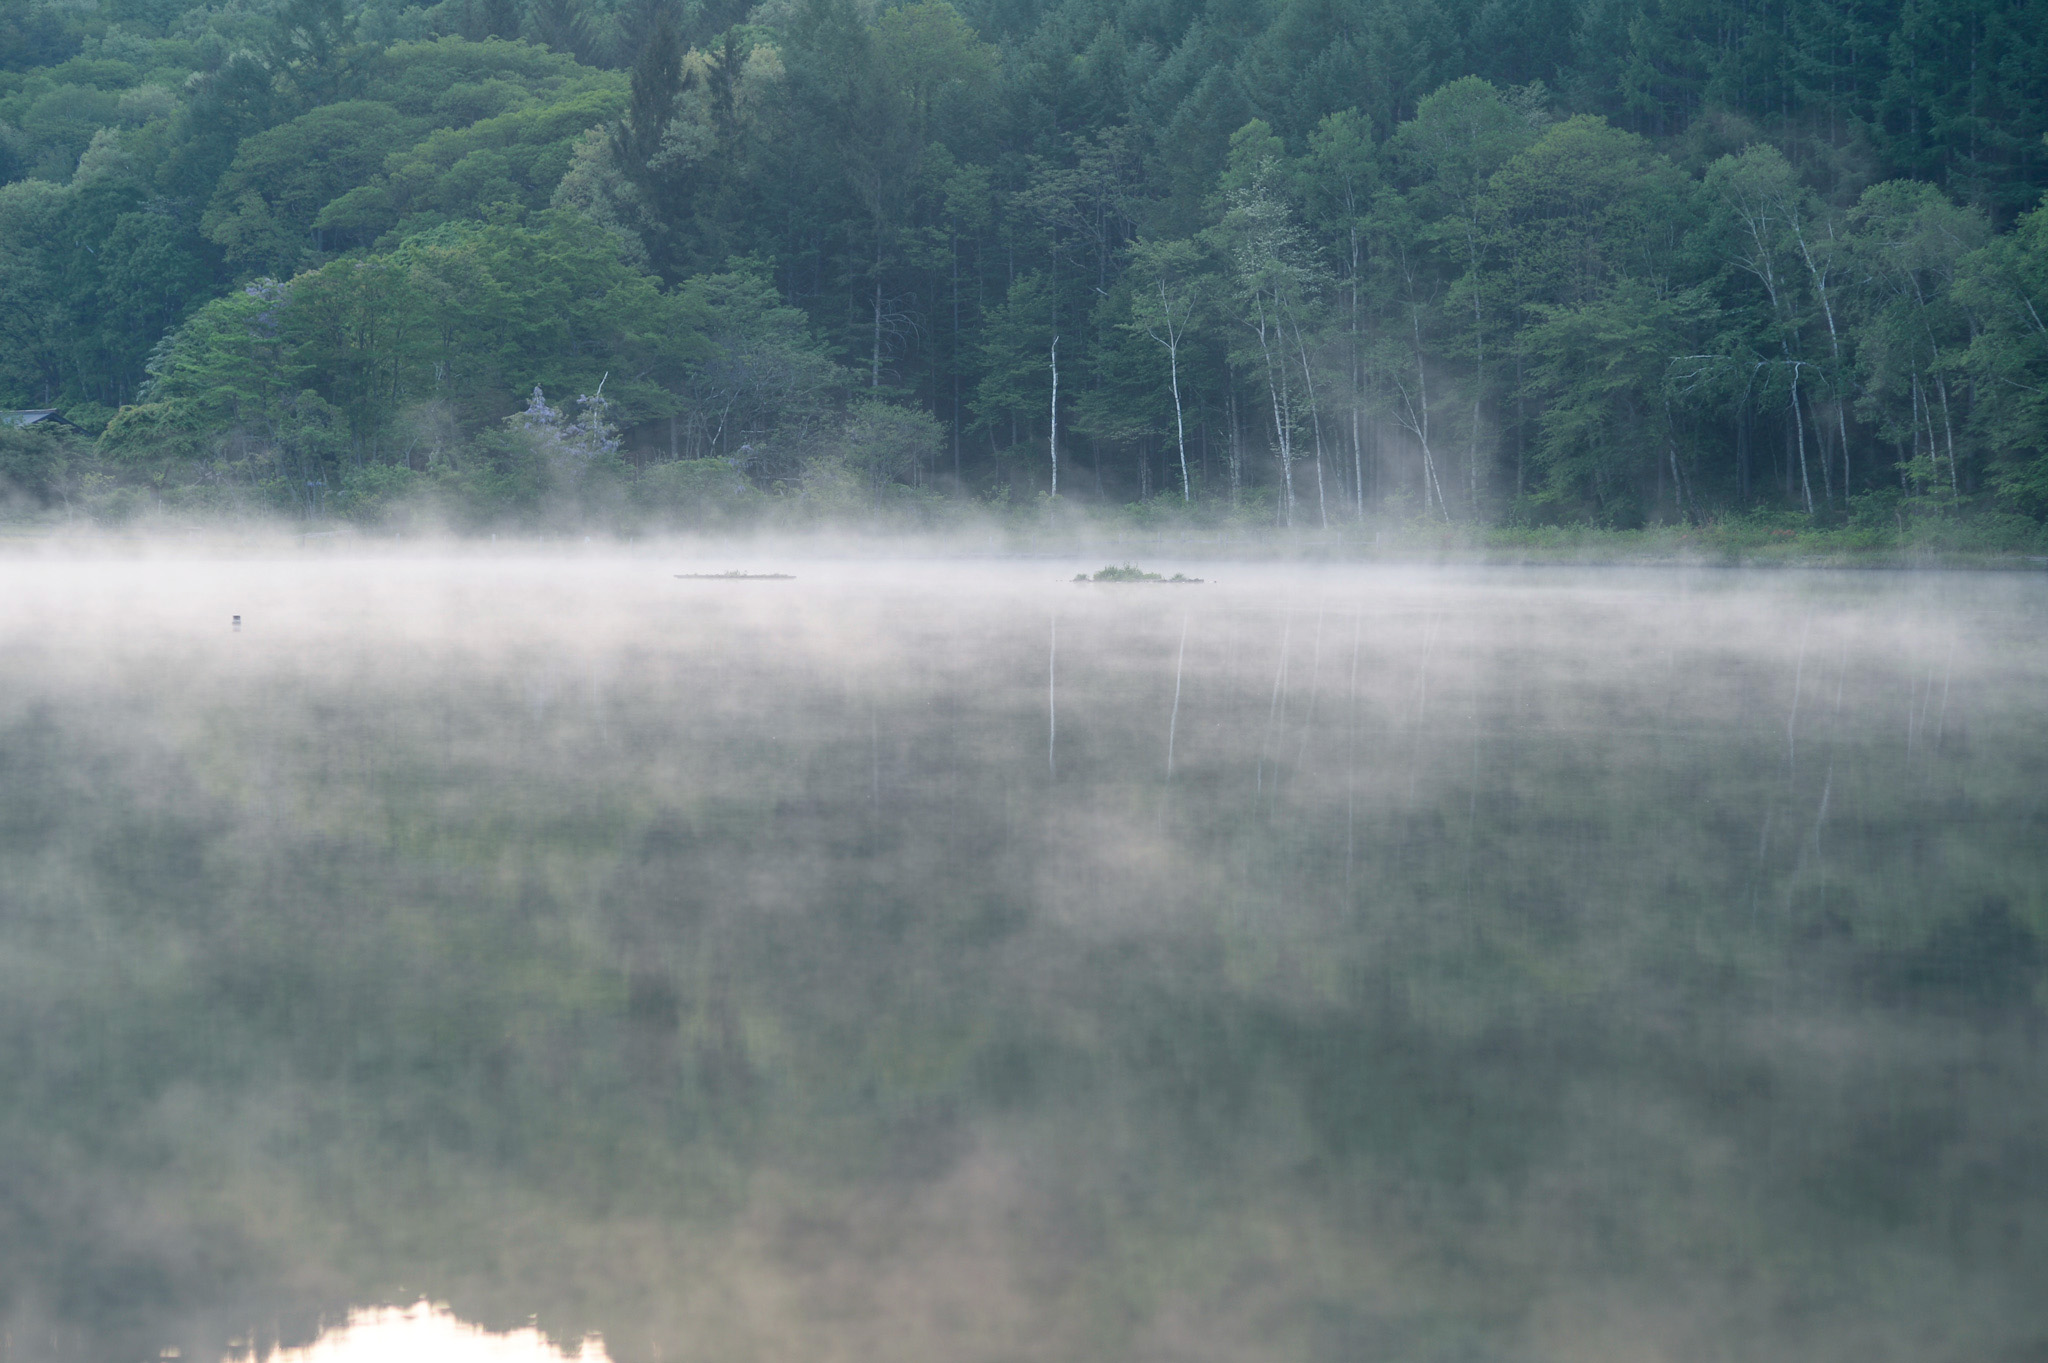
(944, 961)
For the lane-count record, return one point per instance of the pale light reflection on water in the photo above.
(424, 1333)
(940, 962)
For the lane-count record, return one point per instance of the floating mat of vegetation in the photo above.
(1132, 573)
(737, 576)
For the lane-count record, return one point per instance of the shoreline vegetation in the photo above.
(1773, 280)
(1738, 542)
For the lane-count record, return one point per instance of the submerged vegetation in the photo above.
(592, 264)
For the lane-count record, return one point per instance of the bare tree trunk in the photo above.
(1180, 426)
(1478, 396)
(1827, 471)
(1798, 424)
(1173, 719)
(1316, 419)
(1917, 409)
(1948, 430)
(955, 357)
(875, 354)
(1827, 307)
(1357, 388)
(1430, 481)
(1053, 439)
(1842, 428)
(1678, 496)
(1276, 389)
(1235, 452)
(1357, 464)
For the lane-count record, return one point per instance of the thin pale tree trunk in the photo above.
(1276, 389)
(1316, 420)
(1799, 424)
(1053, 439)
(1180, 427)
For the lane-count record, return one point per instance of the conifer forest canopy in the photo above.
(1600, 262)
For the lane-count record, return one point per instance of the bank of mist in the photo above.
(951, 962)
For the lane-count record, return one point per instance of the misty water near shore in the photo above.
(940, 960)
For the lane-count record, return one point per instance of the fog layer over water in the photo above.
(945, 961)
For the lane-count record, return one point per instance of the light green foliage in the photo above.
(518, 157)
(884, 443)
(446, 319)
(224, 377)
(1016, 361)
(757, 386)
(1583, 206)
(34, 467)
(266, 212)
(1279, 282)
(1910, 239)
(2005, 286)
(1776, 205)
(1600, 365)
(32, 313)
(700, 492)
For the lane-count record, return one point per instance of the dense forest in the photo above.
(1310, 262)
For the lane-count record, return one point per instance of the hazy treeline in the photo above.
(1589, 262)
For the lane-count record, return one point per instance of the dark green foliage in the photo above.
(33, 465)
(1611, 263)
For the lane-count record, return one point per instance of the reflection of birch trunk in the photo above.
(1351, 754)
(1173, 720)
(1273, 712)
(1052, 699)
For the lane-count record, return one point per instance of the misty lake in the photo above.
(944, 962)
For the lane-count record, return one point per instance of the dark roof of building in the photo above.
(35, 416)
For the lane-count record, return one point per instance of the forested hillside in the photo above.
(1616, 262)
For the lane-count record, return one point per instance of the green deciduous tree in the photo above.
(2004, 284)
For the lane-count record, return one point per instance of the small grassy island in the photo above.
(1131, 573)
